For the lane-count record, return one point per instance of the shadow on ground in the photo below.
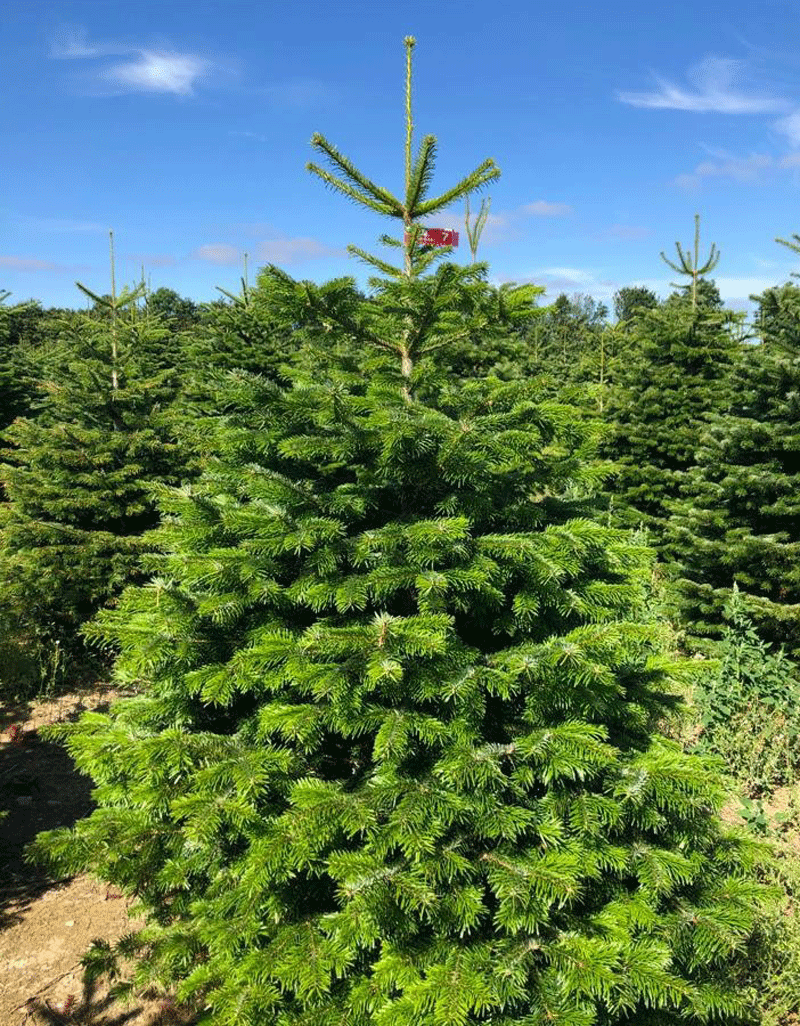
(103, 1011)
(40, 789)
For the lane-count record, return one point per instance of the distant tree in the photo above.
(631, 298)
(564, 342)
(738, 520)
(689, 263)
(672, 379)
(704, 292)
(174, 311)
(77, 477)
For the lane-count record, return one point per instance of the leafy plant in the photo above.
(750, 708)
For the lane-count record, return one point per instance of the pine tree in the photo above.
(78, 472)
(739, 517)
(395, 760)
(671, 381)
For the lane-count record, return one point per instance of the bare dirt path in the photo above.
(46, 926)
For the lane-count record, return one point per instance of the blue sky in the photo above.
(185, 127)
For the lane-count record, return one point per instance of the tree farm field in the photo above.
(417, 648)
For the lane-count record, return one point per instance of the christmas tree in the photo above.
(738, 518)
(395, 756)
(670, 382)
(78, 472)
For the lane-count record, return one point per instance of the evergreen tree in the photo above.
(174, 311)
(689, 264)
(630, 299)
(26, 335)
(704, 292)
(395, 761)
(671, 380)
(565, 341)
(10, 393)
(739, 518)
(77, 474)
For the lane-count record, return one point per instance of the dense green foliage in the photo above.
(404, 745)
(77, 477)
(396, 753)
(672, 380)
(739, 519)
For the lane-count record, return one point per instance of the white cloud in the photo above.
(144, 70)
(570, 280)
(727, 165)
(713, 91)
(293, 251)
(278, 249)
(158, 72)
(504, 223)
(218, 253)
(790, 127)
(740, 289)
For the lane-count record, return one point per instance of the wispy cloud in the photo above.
(158, 72)
(71, 43)
(727, 165)
(294, 250)
(541, 208)
(570, 280)
(755, 168)
(278, 250)
(144, 69)
(250, 135)
(790, 127)
(63, 225)
(17, 263)
(712, 90)
(218, 253)
(150, 259)
(503, 224)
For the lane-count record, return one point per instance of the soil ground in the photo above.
(47, 925)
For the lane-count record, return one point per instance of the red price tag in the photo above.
(437, 237)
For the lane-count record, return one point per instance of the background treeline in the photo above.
(696, 413)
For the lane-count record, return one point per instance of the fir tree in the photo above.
(739, 517)
(78, 472)
(689, 264)
(671, 380)
(395, 760)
